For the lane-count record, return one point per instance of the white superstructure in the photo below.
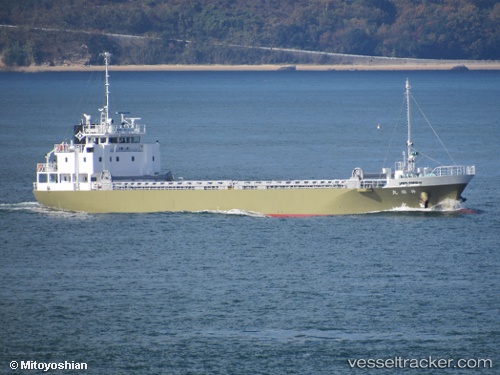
(100, 152)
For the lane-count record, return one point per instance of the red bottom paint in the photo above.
(295, 215)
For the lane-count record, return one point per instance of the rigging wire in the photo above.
(419, 152)
(94, 80)
(435, 133)
(427, 156)
(393, 133)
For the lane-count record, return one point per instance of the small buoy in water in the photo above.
(378, 126)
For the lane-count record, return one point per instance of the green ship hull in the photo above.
(283, 202)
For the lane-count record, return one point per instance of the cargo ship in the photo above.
(109, 168)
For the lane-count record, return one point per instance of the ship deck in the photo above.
(248, 185)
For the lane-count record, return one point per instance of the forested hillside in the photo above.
(226, 32)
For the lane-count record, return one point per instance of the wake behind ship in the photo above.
(108, 167)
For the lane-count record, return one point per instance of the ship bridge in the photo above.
(127, 131)
(99, 152)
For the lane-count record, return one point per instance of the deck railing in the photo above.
(46, 167)
(115, 129)
(379, 183)
(248, 185)
(454, 170)
(66, 147)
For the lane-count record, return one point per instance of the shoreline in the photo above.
(401, 66)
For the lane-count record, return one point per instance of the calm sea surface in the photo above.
(212, 293)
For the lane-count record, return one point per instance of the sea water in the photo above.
(230, 293)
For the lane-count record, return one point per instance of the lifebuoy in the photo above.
(39, 166)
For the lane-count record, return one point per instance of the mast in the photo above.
(106, 87)
(410, 158)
